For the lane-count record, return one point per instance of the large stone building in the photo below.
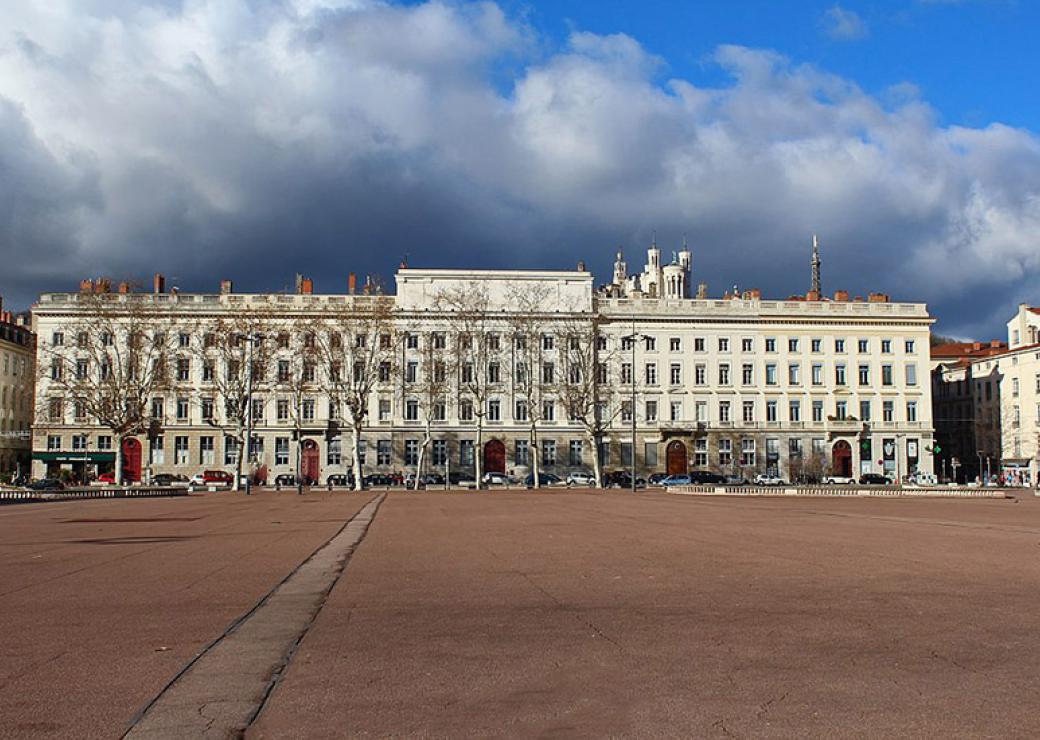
(17, 373)
(739, 384)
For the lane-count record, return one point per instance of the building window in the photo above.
(575, 455)
(864, 409)
(817, 374)
(334, 451)
(700, 452)
(908, 346)
(384, 452)
(675, 374)
(792, 344)
(911, 412)
(157, 408)
(156, 451)
(521, 452)
(182, 409)
(650, 454)
(749, 411)
(911, 374)
(548, 372)
(698, 344)
(411, 410)
(770, 410)
(723, 344)
(104, 442)
(864, 346)
(794, 410)
(700, 374)
(549, 452)
(651, 411)
(626, 411)
(724, 373)
(747, 344)
(79, 442)
(794, 374)
(675, 410)
(466, 452)
(308, 409)
(747, 374)
(281, 450)
(841, 410)
(725, 452)
(650, 373)
(466, 410)
(362, 449)
(494, 373)
(864, 374)
(411, 452)
(384, 372)
(724, 411)
(886, 375)
(411, 371)
(53, 442)
(385, 409)
(887, 411)
(520, 410)
(770, 374)
(548, 342)
(886, 346)
(674, 344)
(839, 345)
(439, 454)
(54, 409)
(702, 411)
(411, 341)
(440, 410)
(817, 411)
(440, 340)
(747, 452)
(770, 344)
(548, 411)
(81, 369)
(816, 345)
(58, 339)
(282, 409)
(180, 450)
(494, 410)
(230, 450)
(839, 374)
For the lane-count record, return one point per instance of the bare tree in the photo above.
(589, 394)
(474, 356)
(428, 390)
(109, 362)
(233, 353)
(354, 346)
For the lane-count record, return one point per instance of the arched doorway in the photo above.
(675, 457)
(841, 458)
(309, 467)
(131, 460)
(495, 457)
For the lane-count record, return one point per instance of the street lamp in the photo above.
(251, 339)
(632, 339)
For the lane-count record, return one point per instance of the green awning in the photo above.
(68, 457)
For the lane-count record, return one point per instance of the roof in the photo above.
(967, 350)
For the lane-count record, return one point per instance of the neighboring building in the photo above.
(1007, 402)
(741, 384)
(954, 407)
(17, 376)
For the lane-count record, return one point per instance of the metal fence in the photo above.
(23, 495)
(844, 491)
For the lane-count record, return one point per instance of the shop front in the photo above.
(81, 466)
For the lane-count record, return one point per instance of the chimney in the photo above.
(225, 287)
(995, 343)
(976, 346)
(858, 299)
(124, 287)
(159, 283)
(86, 286)
(812, 295)
(306, 286)
(878, 298)
(756, 293)
(299, 283)
(841, 295)
(351, 283)
(581, 265)
(102, 285)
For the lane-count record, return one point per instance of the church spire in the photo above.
(815, 266)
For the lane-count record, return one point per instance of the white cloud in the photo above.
(843, 25)
(209, 138)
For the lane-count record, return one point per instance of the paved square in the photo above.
(557, 614)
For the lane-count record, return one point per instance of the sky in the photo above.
(252, 140)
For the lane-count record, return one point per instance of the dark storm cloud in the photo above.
(208, 139)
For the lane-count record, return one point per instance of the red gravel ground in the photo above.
(570, 614)
(102, 602)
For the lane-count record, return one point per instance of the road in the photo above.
(550, 614)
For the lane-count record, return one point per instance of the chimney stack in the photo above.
(995, 343)
(159, 283)
(124, 287)
(86, 286)
(351, 283)
(306, 286)
(225, 287)
(841, 295)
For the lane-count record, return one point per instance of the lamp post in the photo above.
(252, 339)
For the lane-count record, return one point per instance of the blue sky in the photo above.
(253, 139)
(973, 60)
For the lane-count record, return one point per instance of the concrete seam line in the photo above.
(364, 516)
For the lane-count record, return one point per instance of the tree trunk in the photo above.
(119, 460)
(535, 467)
(478, 453)
(243, 450)
(596, 471)
(427, 436)
(355, 433)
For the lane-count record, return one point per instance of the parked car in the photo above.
(107, 478)
(460, 478)
(46, 484)
(681, 479)
(874, 479)
(212, 478)
(285, 479)
(621, 479)
(160, 479)
(734, 480)
(706, 477)
(544, 480)
(495, 479)
(654, 479)
(581, 479)
(765, 479)
(381, 479)
(838, 480)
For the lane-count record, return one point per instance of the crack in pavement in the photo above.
(225, 687)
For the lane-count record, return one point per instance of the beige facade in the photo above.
(739, 385)
(16, 396)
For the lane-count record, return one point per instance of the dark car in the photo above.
(621, 479)
(874, 479)
(656, 478)
(706, 477)
(285, 479)
(544, 479)
(381, 479)
(344, 480)
(168, 479)
(46, 484)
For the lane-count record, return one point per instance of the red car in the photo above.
(109, 478)
(212, 478)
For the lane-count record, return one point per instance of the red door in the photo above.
(675, 456)
(494, 457)
(309, 468)
(131, 460)
(841, 456)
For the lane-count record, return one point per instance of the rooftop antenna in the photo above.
(815, 266)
